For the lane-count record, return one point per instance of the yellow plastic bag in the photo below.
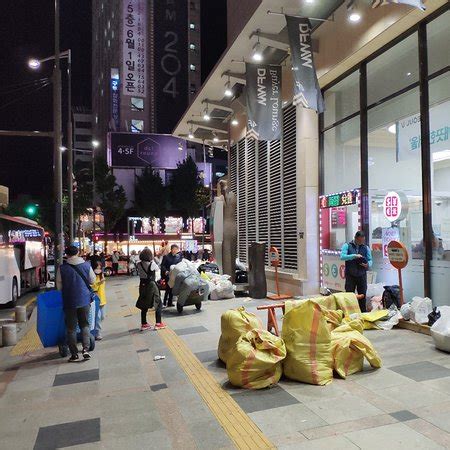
(349, 347)
(234, 323)
(307, 337)
(327, 302)
(256, 361)
(347, 302)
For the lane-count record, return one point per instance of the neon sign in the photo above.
(340, 199)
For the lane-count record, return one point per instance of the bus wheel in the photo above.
(14, 293)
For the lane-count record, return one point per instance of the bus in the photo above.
(22, 257)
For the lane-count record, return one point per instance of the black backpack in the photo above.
(391, 296)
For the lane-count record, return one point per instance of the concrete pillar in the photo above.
(9, 334)
(21, 313)
(307, 134)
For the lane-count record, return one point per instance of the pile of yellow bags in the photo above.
(234, 323)
(256, 360)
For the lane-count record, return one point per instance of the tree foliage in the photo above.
(183, 188)
(111, 197)
(150, 194)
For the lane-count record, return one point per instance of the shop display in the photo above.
(234, 323)
(255, 362)
(308, 344)
(440, 331)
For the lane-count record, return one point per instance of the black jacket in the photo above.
(169, 260)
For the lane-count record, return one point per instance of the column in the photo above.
(307, 143)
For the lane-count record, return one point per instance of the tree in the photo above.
(183, 188)
(150, 196)
(111, 196)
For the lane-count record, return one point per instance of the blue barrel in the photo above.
(50, 318)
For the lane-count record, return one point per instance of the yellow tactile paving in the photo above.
(29, 343)
(239, 427)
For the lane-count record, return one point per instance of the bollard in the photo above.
(9, 334)
(21, 313)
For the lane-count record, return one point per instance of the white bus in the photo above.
(22, 257)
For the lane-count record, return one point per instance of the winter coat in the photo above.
(149, 295)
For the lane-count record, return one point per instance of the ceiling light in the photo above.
(234, 122)
(228, 92)
(95, 143)
(34, 63)
(190, 135)
(62, 148)
(353, 11)
(393, 128)
(206, 115)
(408, 74)
(215, 139)
(354, 17)
(257, 51)
(309, 1)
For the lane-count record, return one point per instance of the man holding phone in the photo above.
(358, 260)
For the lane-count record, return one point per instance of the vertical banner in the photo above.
(263, 88)
(134, 37)
(306, 87)
(171, 62)
(416, 3)
(115, 104)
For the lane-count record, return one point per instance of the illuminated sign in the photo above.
(395, 206)
(18, 236)
(340, 199)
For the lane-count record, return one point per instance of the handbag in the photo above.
(93, 296)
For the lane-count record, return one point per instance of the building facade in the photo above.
(146, 64)
(376, 159)
(82, 137)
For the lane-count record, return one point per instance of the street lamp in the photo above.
(35, 64)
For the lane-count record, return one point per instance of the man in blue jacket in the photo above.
(358, 260)
(72, 279)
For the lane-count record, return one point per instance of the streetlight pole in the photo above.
(70, 146)
(57, 154)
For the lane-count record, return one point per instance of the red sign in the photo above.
(398, 255)
(274, 257)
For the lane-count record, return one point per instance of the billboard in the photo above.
(170, 62)
(134, 37)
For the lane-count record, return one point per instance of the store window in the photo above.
(395, 188)
(342, 99)
(393, 70)
(137, 104)
(342, 162)
(440, 182)
(438, 39)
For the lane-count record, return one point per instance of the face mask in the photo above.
(98, 271)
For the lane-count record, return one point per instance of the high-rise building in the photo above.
(146, 64)
(82, 137)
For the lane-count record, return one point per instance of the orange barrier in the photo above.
(272, 316)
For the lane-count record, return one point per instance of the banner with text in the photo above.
(171, 70)
(263, 83)
(115, 105)
(134, 37)
(306, 87)
(409, 134)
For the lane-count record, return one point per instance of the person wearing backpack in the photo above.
(149, 295)
(73, 279)
(358, 260)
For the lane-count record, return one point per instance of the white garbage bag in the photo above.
(393, 319)
(375, 289)
(220, 287)
(420, 308)
(440, 331)
(405, 311)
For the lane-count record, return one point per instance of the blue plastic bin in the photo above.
(50, 318)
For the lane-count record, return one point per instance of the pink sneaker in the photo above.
(160, 326)
(146, 326)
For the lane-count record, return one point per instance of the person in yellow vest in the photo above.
(99, 288)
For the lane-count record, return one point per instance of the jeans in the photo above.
(157, 315)
(100, 318)
(168, 296)
(360, 284)
(80, 317)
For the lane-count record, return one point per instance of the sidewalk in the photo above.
(122, 399)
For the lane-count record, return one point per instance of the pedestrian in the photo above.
(74, 278)
(95, 258)
(149, 295)
(358, 260)
(115, 262)
(100, 289)
(103, 259)
(171, 259)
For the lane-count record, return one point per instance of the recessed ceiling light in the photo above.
(354, 17)
(408, 74)
(392, 129)
(234, 122)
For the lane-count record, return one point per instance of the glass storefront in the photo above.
(392, 155)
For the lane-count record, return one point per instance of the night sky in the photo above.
(26, 30)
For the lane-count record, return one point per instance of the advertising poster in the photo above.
(134, 36)
(333, 272)
(263, 92)
(388, 235)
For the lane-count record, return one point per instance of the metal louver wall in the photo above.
(263, 196)
(275, 196)
(251, 192)
(233, 168)
(242, 200)
(289, 189)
